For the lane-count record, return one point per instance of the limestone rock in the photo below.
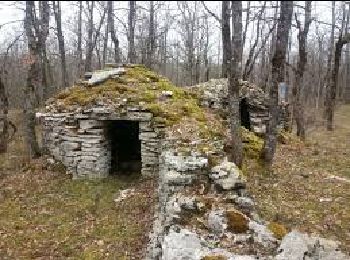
(245, 203)
(262, 234)
(226, 176)
(300, 246)
(182, 245)
(217, 222)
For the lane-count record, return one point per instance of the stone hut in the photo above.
(253, 103)
(120, 119)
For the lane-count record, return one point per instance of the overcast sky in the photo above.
(12, 11)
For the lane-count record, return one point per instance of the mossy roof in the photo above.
(144, 89)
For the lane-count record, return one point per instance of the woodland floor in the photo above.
(46, 215)
(309, 189)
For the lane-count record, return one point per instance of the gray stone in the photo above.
(245, 203)
(182, 245)
(226, 176)
(301, 246)
(217, 222)
(262, 234)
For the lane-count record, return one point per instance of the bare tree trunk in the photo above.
(42, 33)
(58, 17)
(151, 37)
(105, 42)
(347, 85)
(278, 60)
(329, 65)
(79, 47)
(331, 97)
(33, 80)
(205, 52)
(131, 36)
(234, 86)
(4, 124)
(224, 71)
(298, 104)
(90, 45)
(334, 82)
(112, 31)
(233, 65)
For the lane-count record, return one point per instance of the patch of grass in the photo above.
(47, 214)
(301, 192)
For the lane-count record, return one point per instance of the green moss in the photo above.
(285, 137)
(278, 230)
(236, 221)
(143, 87)
(252, 144)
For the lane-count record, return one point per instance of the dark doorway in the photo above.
(245, 116)
(125, 146)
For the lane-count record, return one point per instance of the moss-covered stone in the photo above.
(278, 230)
(143, 88)
(252, 144)
(237, 222)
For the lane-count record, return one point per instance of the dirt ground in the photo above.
(46, 215)
(309, 189)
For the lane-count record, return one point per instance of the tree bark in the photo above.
(79, 47)
(347, 85)
(4, 123)
(151, 37)
(33, 80)
(224, 8)
(327, 100)
(206, 50)
(298, 104)
(334, 81)
(58, 17)
(234, 86)
(131, 36)
(112, 32)
(278, 61)
(90, 45)
(105, 42)
(42, 34)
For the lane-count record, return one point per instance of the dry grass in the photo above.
(46, 215)
(300, 193)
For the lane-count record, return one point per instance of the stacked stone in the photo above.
(214, 94)
(79, 139)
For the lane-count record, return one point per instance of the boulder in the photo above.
(262, 234)
(217, 222)
(182, 245)
(226, 176)
(301, 246)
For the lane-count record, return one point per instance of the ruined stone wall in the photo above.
(214, 95)
(80, 142)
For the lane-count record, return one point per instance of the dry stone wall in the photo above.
(214, 95)
(80, 141)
